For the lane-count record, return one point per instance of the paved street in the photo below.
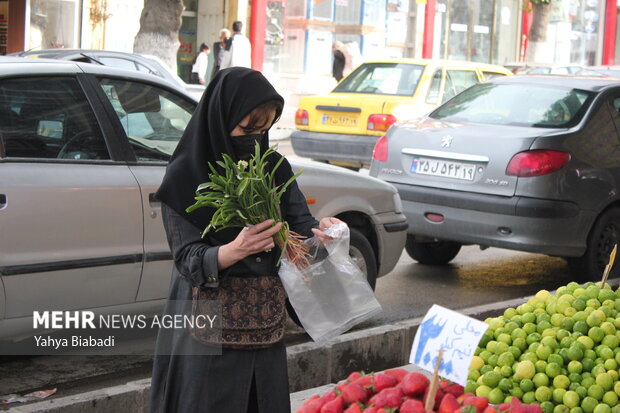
(475, 277)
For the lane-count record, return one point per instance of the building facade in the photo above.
(296, 36)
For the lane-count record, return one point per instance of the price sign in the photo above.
(455, 333)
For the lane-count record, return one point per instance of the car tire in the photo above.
(363, 255)
(604, 235)
(432, 253)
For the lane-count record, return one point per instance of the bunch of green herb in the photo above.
(247, 194)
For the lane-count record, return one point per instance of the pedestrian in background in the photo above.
(200, 64)
(339, 60)
(219, 51)
(237, 266)
(240, 49)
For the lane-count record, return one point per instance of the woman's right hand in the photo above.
(251, 240)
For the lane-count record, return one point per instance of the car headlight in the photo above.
(398, 204)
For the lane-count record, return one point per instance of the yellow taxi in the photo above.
(343, 126)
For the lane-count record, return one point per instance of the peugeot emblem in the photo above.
(446, 141)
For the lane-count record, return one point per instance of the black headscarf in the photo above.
(230, 96)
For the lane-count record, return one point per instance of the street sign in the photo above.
(456, 334)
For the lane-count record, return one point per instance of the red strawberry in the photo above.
(354, 408)
(414, 384)
(516, 406)
(390, 397)
(454, 389)
(470, 408)
(312, 405)
(398, 374)
(329, 396)
(311, 399)
(503, 407)
(335, 406)
(448, 404)
(490, 409)
(464, 396)
(364, 381)
(383, 381)
(354, 376)
(480, 403)
(353, 392)
(371, 409)
(412, 406)
(530, 408)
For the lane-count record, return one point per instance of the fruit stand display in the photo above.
(555, 353)
(559, 350)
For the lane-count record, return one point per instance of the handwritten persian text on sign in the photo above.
(456, 333)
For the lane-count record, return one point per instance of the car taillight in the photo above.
(380, 153)
(536, 163)
(380, 122)
(301, 117)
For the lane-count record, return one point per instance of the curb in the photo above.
(310, 366)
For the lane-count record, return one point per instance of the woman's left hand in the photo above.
(324, 224)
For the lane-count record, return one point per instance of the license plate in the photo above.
(440, 167)
(339, 120)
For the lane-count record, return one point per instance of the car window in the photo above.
(517, 104)
(491, 75)
(559, 71)
(117, 62)
(153, 119)
(434, 89)
(48, 118)
(457, 81)
(142, 68)
(382, 78)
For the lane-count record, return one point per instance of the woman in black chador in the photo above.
(235, 266)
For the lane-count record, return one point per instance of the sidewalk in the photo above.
(311, 367)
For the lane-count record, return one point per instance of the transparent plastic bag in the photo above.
(331, 295)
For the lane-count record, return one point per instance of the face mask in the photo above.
(243, 145)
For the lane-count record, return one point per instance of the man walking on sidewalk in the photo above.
(239, 48)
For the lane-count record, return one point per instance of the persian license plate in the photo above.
(339, 120)
(440, 167)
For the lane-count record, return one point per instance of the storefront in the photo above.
(53, 24)
(477, 30)
(300, 33)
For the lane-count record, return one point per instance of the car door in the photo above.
(152, 130)
(70, 216)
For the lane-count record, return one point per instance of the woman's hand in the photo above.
(251, 240)
(324, 224)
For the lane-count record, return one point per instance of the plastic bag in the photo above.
(331, 295)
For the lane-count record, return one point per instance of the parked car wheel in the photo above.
(363, 255)
(604, 235)
(432, 253)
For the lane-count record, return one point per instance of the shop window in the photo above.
(53, 24)
(322, 10)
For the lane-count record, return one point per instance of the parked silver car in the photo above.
(83, 149)
(523, 162)
(130, 61)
